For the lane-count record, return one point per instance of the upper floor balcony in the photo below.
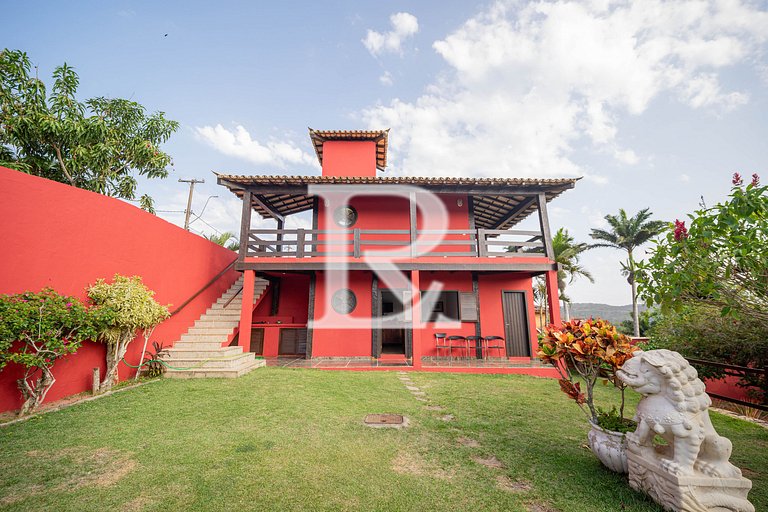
(354, 220)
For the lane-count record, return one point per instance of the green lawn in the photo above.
(282, 439)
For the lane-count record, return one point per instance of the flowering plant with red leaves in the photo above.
(680, 230)
(590, 349)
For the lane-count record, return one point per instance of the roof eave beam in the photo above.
(267, 206)
(515, 212)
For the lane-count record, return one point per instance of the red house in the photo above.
(353, 285)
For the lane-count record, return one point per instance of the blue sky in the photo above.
(655, 104)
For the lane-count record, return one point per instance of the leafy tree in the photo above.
(123, 307)
(627, 234)
(222, 239)
(47, 326)
(101, 144)
(711, 281)
(720, 261)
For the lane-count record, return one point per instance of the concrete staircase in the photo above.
(200, 350)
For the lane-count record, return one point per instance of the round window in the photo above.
(344, 301)
(345, 216)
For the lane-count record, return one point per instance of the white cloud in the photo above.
(386, 79)
(239, 143)
(626, 156)
(404, 25)
(595, 217)
(684, 178)
(525, 83)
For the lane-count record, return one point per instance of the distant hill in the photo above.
(614, 314)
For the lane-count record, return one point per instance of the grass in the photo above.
(293, 439)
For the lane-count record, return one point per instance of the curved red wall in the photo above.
(66, 238)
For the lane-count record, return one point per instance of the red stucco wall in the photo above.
(491, 311)
(66, 238)
(451, 281)
(336, 342)
(349, 158)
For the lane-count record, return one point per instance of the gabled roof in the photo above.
(499, 203)
(378, 136)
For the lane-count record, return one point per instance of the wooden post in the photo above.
(482, 248)
(246, 311)
(418, 330)
(413, 221)
(311, 313)
(472, 227)
(376, 315)
(541, 201)
(245, 225)
(300, 234)
(553, 297)
(478, 332)
(279, 237)
(356, 243)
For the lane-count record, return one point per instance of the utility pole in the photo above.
(189, 201)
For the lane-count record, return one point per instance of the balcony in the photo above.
(394, 243)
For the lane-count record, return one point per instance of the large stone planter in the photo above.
(609, 447)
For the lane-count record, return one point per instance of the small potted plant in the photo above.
(588, 351)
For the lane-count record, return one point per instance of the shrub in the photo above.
(590, 349)
(122, 308)
(699, 331)
(48, 326)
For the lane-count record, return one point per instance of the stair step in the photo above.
(198, 345)
(191, 353)
(226, 373)
(210, 330)
(220, 311)
(212, 361)
(200, 348)
(217, 322)
(205, 337)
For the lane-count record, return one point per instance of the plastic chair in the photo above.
(494, 343)
(472, 343)
(440, 343)
(462, 343)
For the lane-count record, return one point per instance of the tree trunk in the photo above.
(34, 395)
(633, 284)
(635, 310)
(115, 352)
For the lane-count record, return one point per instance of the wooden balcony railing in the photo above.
(352, 243)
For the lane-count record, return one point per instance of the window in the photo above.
(445, 304)
(450, 305)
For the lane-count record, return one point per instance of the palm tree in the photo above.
(627, 234)
(223, 238)
(567, 253)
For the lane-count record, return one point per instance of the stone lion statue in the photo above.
(675, 406)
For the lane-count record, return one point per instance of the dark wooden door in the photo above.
(292, 341)
(257, 341)
(516, 324)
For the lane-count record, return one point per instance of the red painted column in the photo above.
(418, 330)
(246, 310)
(553, 297)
